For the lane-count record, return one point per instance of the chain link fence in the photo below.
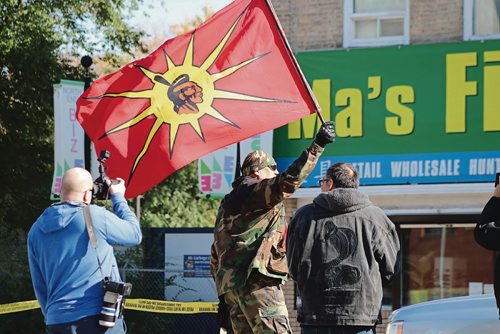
(158, 284)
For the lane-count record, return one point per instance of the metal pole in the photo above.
(138, 207)
(237, 170)
(86, 62)
(441, 261)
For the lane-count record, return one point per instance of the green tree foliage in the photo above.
(40, 43)
(176, 202)
(37, 39)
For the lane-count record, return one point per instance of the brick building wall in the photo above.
(318, 25)
(436, 21)
(311, 24)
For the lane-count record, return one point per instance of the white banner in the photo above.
(216, 170)
(68, 134)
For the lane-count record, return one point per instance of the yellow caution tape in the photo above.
(163, 306)
(18, 307)
(145, 305)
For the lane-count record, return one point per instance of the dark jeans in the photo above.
(87, 325)
(337, 330)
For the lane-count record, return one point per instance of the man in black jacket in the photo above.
(341, 249)
(487, 233)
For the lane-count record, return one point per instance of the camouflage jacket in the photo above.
(250, 226)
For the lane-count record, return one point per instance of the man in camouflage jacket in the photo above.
(248, 254)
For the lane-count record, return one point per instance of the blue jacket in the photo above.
(63, 263)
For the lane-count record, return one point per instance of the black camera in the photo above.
(121, 288)
(101, 189)
(114, 301)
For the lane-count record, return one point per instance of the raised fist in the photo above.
(326, 134)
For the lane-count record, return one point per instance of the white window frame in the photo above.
(350, 17)
(468, 23)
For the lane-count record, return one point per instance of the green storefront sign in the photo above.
(410, 114)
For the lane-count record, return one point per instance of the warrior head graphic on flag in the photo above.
(229, 79)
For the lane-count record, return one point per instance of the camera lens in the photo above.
(110, 309)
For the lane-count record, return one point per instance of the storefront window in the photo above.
(442, 261)
(376, 22)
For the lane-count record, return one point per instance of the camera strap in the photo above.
(90, 231)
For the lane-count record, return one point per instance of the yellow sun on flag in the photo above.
(183, 95)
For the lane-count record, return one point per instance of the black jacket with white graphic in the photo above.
(341, 249)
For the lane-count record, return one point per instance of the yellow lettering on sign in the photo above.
(349, 121)
(491, 99)
(404, 121)
(375, 85)
(322, 91)
(457, 89)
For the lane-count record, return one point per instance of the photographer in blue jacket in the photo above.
(68, 267)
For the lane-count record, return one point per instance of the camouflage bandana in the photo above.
(256, 161)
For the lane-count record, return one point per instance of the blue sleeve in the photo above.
(122, 226)
(37, 279)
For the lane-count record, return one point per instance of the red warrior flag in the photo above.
(231, 78)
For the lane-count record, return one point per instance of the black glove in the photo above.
(326, 134)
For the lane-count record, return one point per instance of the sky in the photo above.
(167, 12)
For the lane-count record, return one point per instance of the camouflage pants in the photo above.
(259, 307)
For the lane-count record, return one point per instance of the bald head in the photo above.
(75, 183)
